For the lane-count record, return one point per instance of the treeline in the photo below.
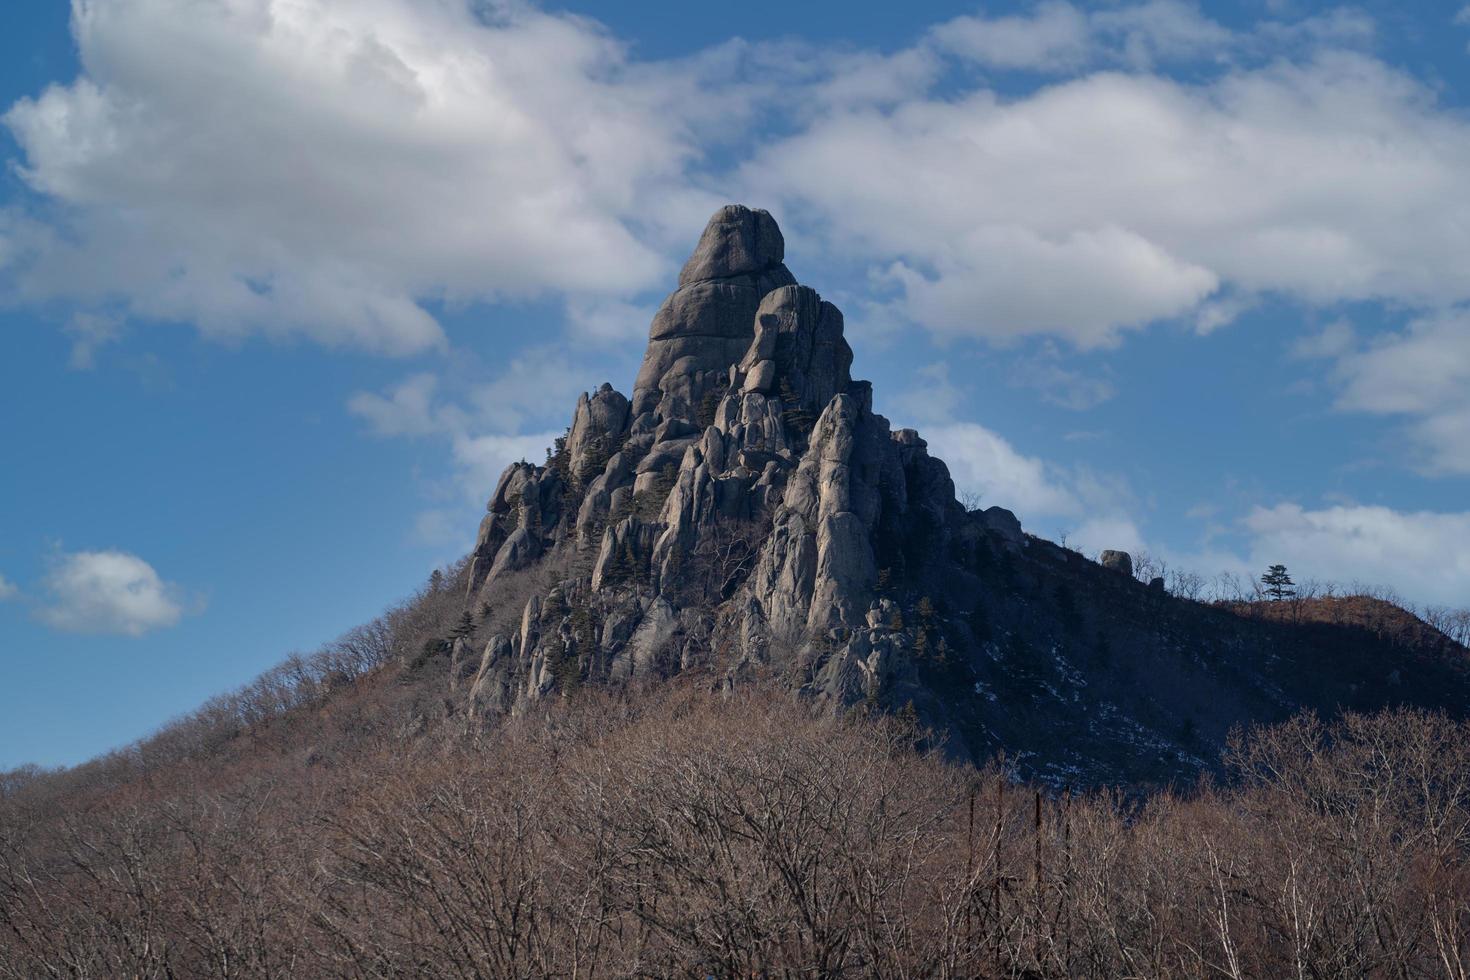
(676, 832)
(1379, 608)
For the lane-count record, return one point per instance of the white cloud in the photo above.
(1102, 203)
(1423, 554)
(108, 592)
(979, 460)
(610, 321)
(1092, 510)
(1001, 282)
(1422, 373)
(1110, 532)
(1054, 35)
(935, 399)
(481, 459)
(438, 528)
(317, 168)
(1091, 513)
(1221, 311)
(324, 168)
(407, 409)
(1057, 36)
(8, 589)
(538, 385)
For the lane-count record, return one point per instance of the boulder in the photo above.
(736, 241)
(1118, 561)
(598, 425)
(1003, 524)
(800, 334)
(762, 378)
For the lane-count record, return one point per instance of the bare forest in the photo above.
(343, 817)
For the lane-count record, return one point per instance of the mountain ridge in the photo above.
(747, 510)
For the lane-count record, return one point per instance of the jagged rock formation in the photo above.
(747, 509)
(748, 477)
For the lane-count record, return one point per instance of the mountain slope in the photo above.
(746, 511)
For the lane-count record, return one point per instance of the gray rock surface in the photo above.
(737, 241)
(598, 427)
(706, 324)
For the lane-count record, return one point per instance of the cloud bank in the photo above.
(331, 168)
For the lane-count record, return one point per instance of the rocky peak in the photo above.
(748, 474)
(707, 324)
(738, 241)
(798, 351)
(747, 508)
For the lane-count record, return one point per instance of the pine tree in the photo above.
(1278, 584)
(797, 419)
(465, 628)
(926, 623)
(709, 407)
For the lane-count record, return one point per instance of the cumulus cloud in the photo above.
(1422, 554)
(319, 168)
(1334, 340)
(1108, 201)
(405, 409)
(1051, 36)
(609, 321)
(1421, 373)
(982, 461)
(324, 168)
(481, 459)
(534, 386)
(108, 592)
(935, 399)
(1056, 36)
(8, 589)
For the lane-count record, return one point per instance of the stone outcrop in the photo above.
(707, 323)
(1117, 561)
(746, 495)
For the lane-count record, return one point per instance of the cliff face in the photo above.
(746, 510)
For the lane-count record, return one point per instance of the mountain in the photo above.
(745, 513)
(704, 701)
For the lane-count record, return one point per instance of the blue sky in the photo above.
(283, 286)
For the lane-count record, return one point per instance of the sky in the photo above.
(284, 284)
